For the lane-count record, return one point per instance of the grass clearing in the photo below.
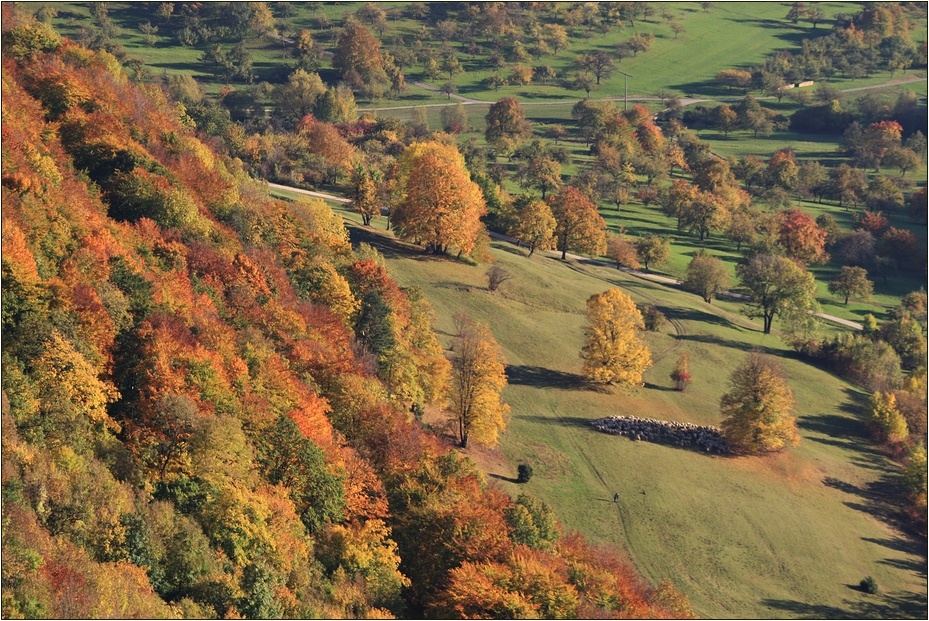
(779, 536)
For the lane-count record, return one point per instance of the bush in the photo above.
(654, 319)
(524, 473)
(868, 585)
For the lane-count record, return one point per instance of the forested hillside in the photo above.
(207, 392)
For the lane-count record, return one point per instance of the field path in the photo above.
(685, 101)
(664, 280)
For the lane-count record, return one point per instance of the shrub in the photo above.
(524, 473)
(868, 585)
(654, 319)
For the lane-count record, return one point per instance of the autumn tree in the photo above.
(681, 373)
(885, 420)
(706, 276)
(653, 249)
(533, 225)
(579, 227)
(506, 125)
(852, 282)
(543, 172)
(757, 409)
(614, 353)
(775, 283)
(439, 206)
(734, 78)
(358, 57)
(676, 200)
(478, 377)
(365, 198)
(600, 64)
(623, 252)
(802, 238)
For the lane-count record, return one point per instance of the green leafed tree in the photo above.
(852, 282)
(706, 276)
(775, 283)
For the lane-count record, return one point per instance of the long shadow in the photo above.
(715, 340)
(651, 386)
(882, 499)
(503, 478)
(540, 377)
(900, 545)
(895, 605)
(917, 567)
(834, 426)
(561, 421)
(391, 248)
(693, 314)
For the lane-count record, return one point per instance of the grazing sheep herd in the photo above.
(685, 435)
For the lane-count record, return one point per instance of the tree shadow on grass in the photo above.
(715, 340)
(651, 386)
(695, 315)
(895, 605)
(540, 377)
(502, 478)
(390, 247)
(882, 499)
(562, 421)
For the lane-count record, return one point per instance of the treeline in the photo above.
(207, 392)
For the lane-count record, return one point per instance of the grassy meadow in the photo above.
(729, 35)
(787, 535)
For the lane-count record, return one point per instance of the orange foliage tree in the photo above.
(440, 205)
(579, 227)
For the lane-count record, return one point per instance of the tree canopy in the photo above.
(614, 352)
(757, 410)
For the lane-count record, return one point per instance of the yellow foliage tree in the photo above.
(477, 378)
(72, 398)
(885, 419)
(437, 204)
(614, 353)
(757, 410)
(323, 224)
(534, 226)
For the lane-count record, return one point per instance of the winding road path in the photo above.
(664, 280)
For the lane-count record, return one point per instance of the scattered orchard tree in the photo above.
(478, 377)
(534, 225)
(579, 227)
(614, 352)
(774, 284)
(852, 282)
(706, 276)
(757, 410)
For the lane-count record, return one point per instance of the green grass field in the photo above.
(786, 535)
(729, 35)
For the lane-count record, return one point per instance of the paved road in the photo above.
(664, 280)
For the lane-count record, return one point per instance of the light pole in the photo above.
(625, 90)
